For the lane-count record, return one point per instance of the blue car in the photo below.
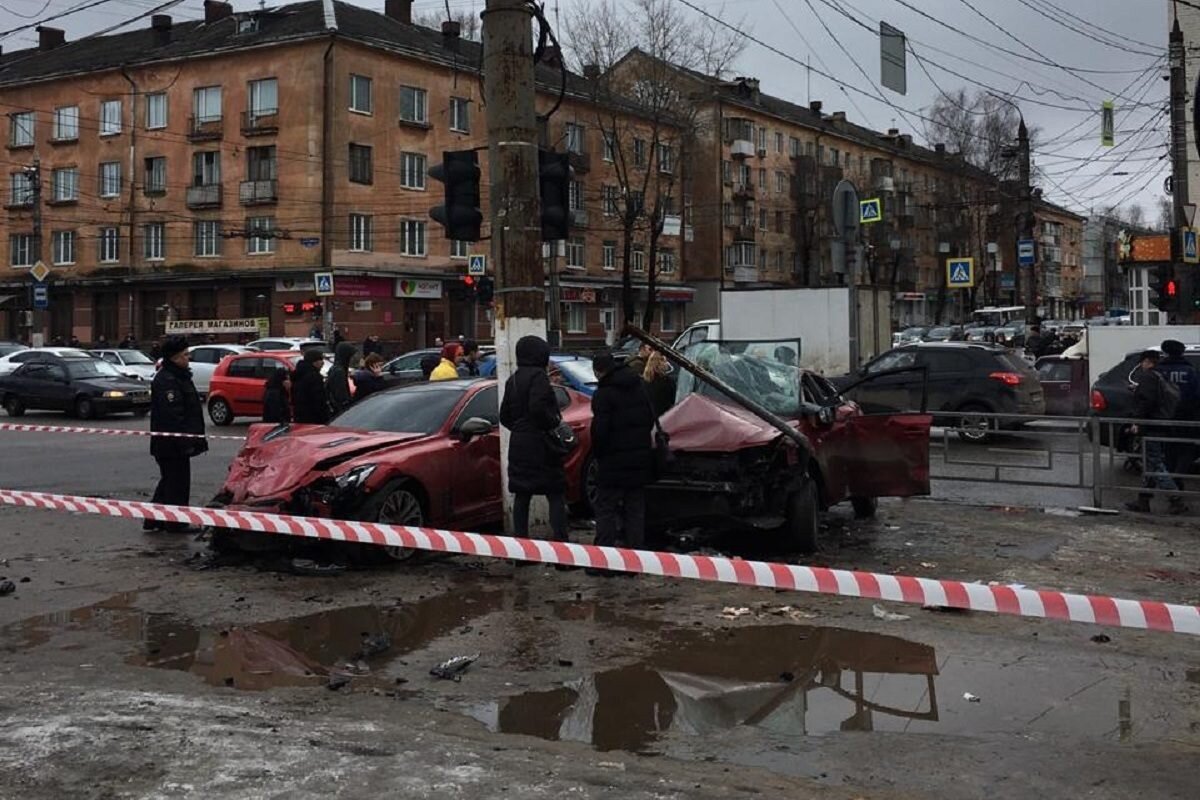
(575, 371)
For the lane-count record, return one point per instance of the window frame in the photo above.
(575, 253)
(20, 190)
(460, 114)
(153, 96)
(206, 92)
(361, 229)
(60, 241)
(420, 109)
(108, 125)
(22, 242)
(352, 161)
(154, 241)
(608, 254)
(418, 226)
(353, 99)
(108, 249)
(576, 138)
(460, 248)
(260, 245)
(15, 126)
(206, 164)
(57, 133)
(252, 88)
(200, 237)
(407, 171)
(56, 185)
(576, 317)
(107, 188)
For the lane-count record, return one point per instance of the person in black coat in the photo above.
(337, 382)
(277, 399)
(369, 379)
(174, 408)
(308, 390)
(530, 412)
(622, 444)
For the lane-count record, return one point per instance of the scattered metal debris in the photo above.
(452, 669)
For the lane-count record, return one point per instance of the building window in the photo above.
(206, 169)
(610, 147)
(666, 159)
(360, 233)
(639, 259)
(762, 219)
(460, 114)
(778, 142)
(206, 235)
(155, 179)
(66, 184)
(156, 110)
(666, 262)
(412, 170)
(110, 245)
(66, 123)
(575, 253)
(154, 241)
(668, 315)
(360, 163)
(575, 195)
(780, 181)
(779, 222)
(834, 157)
(64, 247)
(794, 146)
(762, 138)
(206, 104)
(21, 193)
(261, 238)
(110, 178)
(762, 180)
(459, 248)
(727, 171)
(20, 129)
(260, 163)
(413, 105)
(110, 117)
(360, 94)
(264, 97)
(639, 152)
(412, 237)
(20, 249)
(727, 213)
(576, 317)
(575, 138)
(762, 258)
(608, 200)
(608, 254)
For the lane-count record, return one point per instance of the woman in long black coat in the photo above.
(277, 398)
(530, 412)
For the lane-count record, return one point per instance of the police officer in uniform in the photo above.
(174, 408)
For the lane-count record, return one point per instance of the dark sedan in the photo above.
(85, 387)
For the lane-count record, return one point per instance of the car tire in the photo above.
(14, 406)
(397, 503)
(588, 474)
(864, 507)
(803, 523)
(976, 430)
(219, 412)
(85, 408)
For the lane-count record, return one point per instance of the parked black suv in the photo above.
(1112, 394)
(960, 377)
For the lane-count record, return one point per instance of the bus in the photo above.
(996, 316)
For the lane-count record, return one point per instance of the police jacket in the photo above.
(175, 408)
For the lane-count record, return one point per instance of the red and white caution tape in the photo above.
(1144, 614)
(8, 426)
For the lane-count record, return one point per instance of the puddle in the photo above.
(795, 680)
(298, 651)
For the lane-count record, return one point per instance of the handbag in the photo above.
(561, 439)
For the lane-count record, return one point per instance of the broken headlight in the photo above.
(355, 478)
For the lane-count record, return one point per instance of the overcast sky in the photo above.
(1078, 172)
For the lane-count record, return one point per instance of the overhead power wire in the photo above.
(1059, 9)
(1083, 33)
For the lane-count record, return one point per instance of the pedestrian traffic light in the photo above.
(459, 214)
(1163, 287)
(554, 186)
(485, 290)
(468, 285)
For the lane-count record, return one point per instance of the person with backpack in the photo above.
(1154, 398)
(1180, 373)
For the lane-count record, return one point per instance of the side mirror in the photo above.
(475, 426)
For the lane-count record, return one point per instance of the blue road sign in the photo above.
(960, 273)
(41, 296)
(477, 264)
(870, 210)
(324, 282)
(1025, 253)
(1190, 254)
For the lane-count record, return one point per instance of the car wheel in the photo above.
(219, 412)
(14, 406)
(973, 426)
(590, 475)
(141, 412)
(85, 408)
(803, 523)
(397, 504)
(864, 507)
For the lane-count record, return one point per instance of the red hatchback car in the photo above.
(236, 388)
(424, 455)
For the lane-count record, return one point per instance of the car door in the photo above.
(949, 377)
(476, 494)
(879, 390)
(244, 386)
(262, 373)
(31, 383)
(204, 363)
(1054, 374)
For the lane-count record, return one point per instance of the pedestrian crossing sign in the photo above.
(870, 210)
(324, 284)
(1190, 254)
(477, 264)
(960, 273)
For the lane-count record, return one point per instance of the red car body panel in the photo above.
(244, 393)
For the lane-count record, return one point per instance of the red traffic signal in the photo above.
(468, 280)
(1172, 288)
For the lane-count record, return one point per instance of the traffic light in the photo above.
(554, 186)
(469, 286)
(485, 290)
(1164, 287)
(460, 214)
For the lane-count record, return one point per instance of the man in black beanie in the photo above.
(174, 408)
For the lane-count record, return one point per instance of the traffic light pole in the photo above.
(1179, 172)
(509, 94)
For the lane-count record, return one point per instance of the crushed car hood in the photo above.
(276, 468)
(702, 424)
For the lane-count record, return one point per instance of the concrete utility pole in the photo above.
(1027, 219)
(37, 317)
(515, 211)
(1183, 273)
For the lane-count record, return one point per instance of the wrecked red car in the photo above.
(426, 455)
(761, 444)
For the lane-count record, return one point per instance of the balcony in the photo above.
(579, 218)
(745, 274)
(744, 191)
(741, 148)
(884, 183)
(580, 162)
(205, 129)
(63, 201)
(205, 196)
(19, 205)
(263, 122)
(257, 193)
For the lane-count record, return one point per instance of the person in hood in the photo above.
(447, 368)
(175, 408)
(530, 412)
(308, 390)
(337, 382)
(622, 444)
(1151, 402)
(1179, 372)
(277, 398)
(369, 379)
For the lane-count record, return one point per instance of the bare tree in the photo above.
(980, 127)
(1166, 214)
(470, 26)
(645, 105)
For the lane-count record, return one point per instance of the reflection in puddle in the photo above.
(298, 651)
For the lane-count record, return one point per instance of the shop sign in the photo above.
(305, 285)
(186, 327)
(418, 290)
(363, 287)
(572, 294)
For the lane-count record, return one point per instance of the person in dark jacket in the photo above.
(622, 421)
(277, 398)
(174, 408)
(369, 379)
(372, 345)
(1034, 343)
(337, 382)
(530, 412)
(468, 361)
(1149, 403)
(308, 390)
(1180, 372)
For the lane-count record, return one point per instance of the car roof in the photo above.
(954, 346)
(241, 348)
(267, 354)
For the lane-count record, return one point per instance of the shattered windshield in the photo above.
(765, 372)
